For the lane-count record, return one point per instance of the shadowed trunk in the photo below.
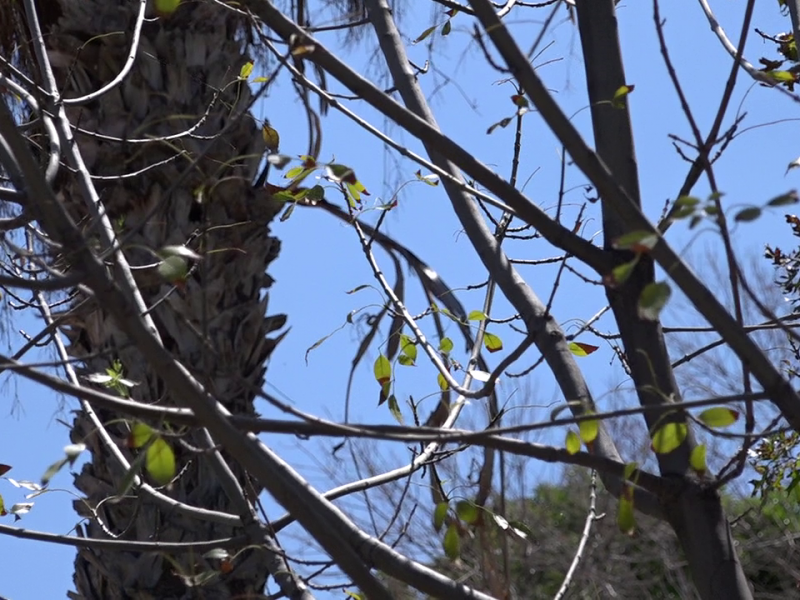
(214, 323)
(696, 513)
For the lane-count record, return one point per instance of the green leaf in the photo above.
(687, 201)
(173, 268)
(294, 172)
(51, 471)
(408, 347)
(626, 520)
(652, 299)
(467, 511)
(492, 342)
(784, 199)
(719, 416)
(630, 469)
(698, 459)
(638, 241)
(405, 360)
(751, 213)
(668, 437)
(476, 315)
(160, 462)
(382, 370)
(621, 273)
(424, 34)
(439, 514)
(394, 408)
(443, 385)
(452, 542)
(446, 28)
(446, 345)
(140, 434)
(573, 442)
(588, 429)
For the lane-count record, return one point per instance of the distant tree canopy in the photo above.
(648, 564)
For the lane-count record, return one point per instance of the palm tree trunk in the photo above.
(187, 66)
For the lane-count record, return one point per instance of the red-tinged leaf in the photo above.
(580, 349)
(618, 101)
(719, 416)
(4, 469)
(520, 101)
(573, 442)
(382, 370)
(492, 342)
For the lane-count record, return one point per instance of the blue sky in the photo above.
(321, 258)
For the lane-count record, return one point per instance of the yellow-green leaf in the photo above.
(424, 34)
(719, 416)
(408, 347)
(588, 430)
(271, 137)
(382, 370)
(782, 76)
(668, 437)
(630, 469)
(626, 520)
(698, 459)
(573, 442)
(492, 342)
(247, 68)
(452, 542)
(443, 385)
(140, 435)
(476, 315)
(439, 514)
(160, 463)
(445, 345)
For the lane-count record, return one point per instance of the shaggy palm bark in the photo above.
(214, 322)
